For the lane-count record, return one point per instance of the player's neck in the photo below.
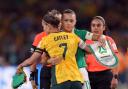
(55, 30)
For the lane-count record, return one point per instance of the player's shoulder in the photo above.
(42, 34)
(109, 38)
(80, 32)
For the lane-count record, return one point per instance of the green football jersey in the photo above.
(80, 55)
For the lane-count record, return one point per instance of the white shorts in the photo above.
(84, 73)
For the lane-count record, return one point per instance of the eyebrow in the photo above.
(95, 24)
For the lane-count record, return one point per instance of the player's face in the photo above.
(68, 22)
(97, 26)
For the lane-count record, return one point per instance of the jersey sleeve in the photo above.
(76, 38)
(88, 35)
(41, 46)
(83, 34)
(81, 43)
(36, 40)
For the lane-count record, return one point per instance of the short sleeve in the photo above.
(41, 44)
(77, 38)
(36, 40)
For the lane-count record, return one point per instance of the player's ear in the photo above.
(60, 25)
(75, 22)
(104, 27)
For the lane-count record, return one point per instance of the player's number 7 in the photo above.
(64, 45)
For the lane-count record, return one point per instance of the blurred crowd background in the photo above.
(20, 21)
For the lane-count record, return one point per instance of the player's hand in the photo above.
(19, 69)
(114, 83)
(55, 60)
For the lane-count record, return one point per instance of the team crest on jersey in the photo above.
(102, 50)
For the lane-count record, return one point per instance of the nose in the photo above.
(68, 22)
(95, 27)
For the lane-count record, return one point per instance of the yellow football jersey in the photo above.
(64, 45)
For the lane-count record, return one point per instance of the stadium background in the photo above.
(20, 21)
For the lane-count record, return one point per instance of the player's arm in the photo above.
(92, 36)
(115, 70)
(30, 61)
(54, 60)
(35, 56)
(28, 54)
(33, 66)
(32, 49)
(34, 71)
(95, 37)
(83, 45)
(46, 60)
(114, 82)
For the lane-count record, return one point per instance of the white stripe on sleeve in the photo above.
(88, 36)
(82, 44)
